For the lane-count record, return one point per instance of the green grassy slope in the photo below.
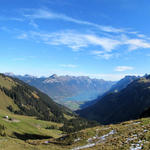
(127, 135)
(27, 100)
(25, 125)
(6, 101)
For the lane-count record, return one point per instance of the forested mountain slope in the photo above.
(20, 98)
(127, 104)
(118, 86)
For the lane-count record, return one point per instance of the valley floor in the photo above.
(22, 133)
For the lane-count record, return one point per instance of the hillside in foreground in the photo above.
(28, 133)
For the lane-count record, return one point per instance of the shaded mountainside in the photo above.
(127, 104)
(146, 113)
(69, 90)
(121, 84)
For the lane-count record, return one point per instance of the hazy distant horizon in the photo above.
(107, 77)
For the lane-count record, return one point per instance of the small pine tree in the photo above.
(2, 130)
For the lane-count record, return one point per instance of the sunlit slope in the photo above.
(19, 129)
(126, 135)
(20, 98)
(5, 100)
(131, 135)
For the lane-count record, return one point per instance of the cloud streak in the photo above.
(123, 68)
(137, 44)
(76, 41)
(102, 54)
(46, 14)
(68, 66)
(22, 36)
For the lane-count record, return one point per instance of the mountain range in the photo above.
(70, 91)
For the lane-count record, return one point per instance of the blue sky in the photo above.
(98, 38)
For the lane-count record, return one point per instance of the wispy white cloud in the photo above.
(24, 58)
(22, 36)
(106, 43)
(68, 66)
(141, 36)
(137, 44)
(102, 54)
(96, 52)
(32, 23)
(16, 19)
(4, 28)
(46, 14)
(77, 41)
(123, 68)
(4, 18)
(106, 56)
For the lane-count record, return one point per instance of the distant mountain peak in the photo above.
(53, 76)
(9, 74)
(147, 76)
(29, 76)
